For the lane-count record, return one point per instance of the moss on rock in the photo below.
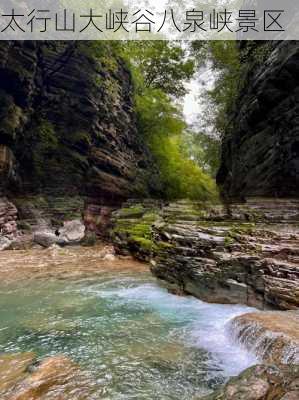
(133, 229)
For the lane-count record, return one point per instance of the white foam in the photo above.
(205, 325)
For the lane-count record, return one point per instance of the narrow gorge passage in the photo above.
(129, 336)
(133, 176)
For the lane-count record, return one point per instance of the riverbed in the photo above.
(132, 337)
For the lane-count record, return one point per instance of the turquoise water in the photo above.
(135, 339)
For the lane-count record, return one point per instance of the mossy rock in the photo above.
(135, 211)
(133, 228)
(145, 244)
(24, 226)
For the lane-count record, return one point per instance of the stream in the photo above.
(135, 340)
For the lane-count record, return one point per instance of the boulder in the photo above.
(55, 377)
(45, 238)
(72, 232)
(261, 382)
(4, 243)
(13, 368)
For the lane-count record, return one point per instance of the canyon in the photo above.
(70, 151)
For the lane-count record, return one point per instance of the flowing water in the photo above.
(135, 340)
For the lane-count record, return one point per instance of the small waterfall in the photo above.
(267, 345)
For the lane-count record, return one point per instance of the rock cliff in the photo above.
(260, 152)
(68, 130)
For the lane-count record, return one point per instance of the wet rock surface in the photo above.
(273, 336)
(13, 368)
(262, 382)
(243, 254)
(56, 377)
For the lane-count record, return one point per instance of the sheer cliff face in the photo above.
(67, 121)
(260, 154)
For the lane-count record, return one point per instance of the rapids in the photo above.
(135, 340)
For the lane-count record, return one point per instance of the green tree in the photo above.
(204, 149)
(224, 57)
(160, 70)
(163, 65)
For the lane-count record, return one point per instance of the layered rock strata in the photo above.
(68, 134)
(243, 254)
(273, 336)
(67, 120)
(260, 150)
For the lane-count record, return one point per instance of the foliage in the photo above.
(105, 53)
(256, 53)
(163, 65)
(102, 51)
(231, 63)
(225, 59)
(182, 176)
(138, 231)
(155, 67)
(159, 70)
(205, 150)
(227, 62)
